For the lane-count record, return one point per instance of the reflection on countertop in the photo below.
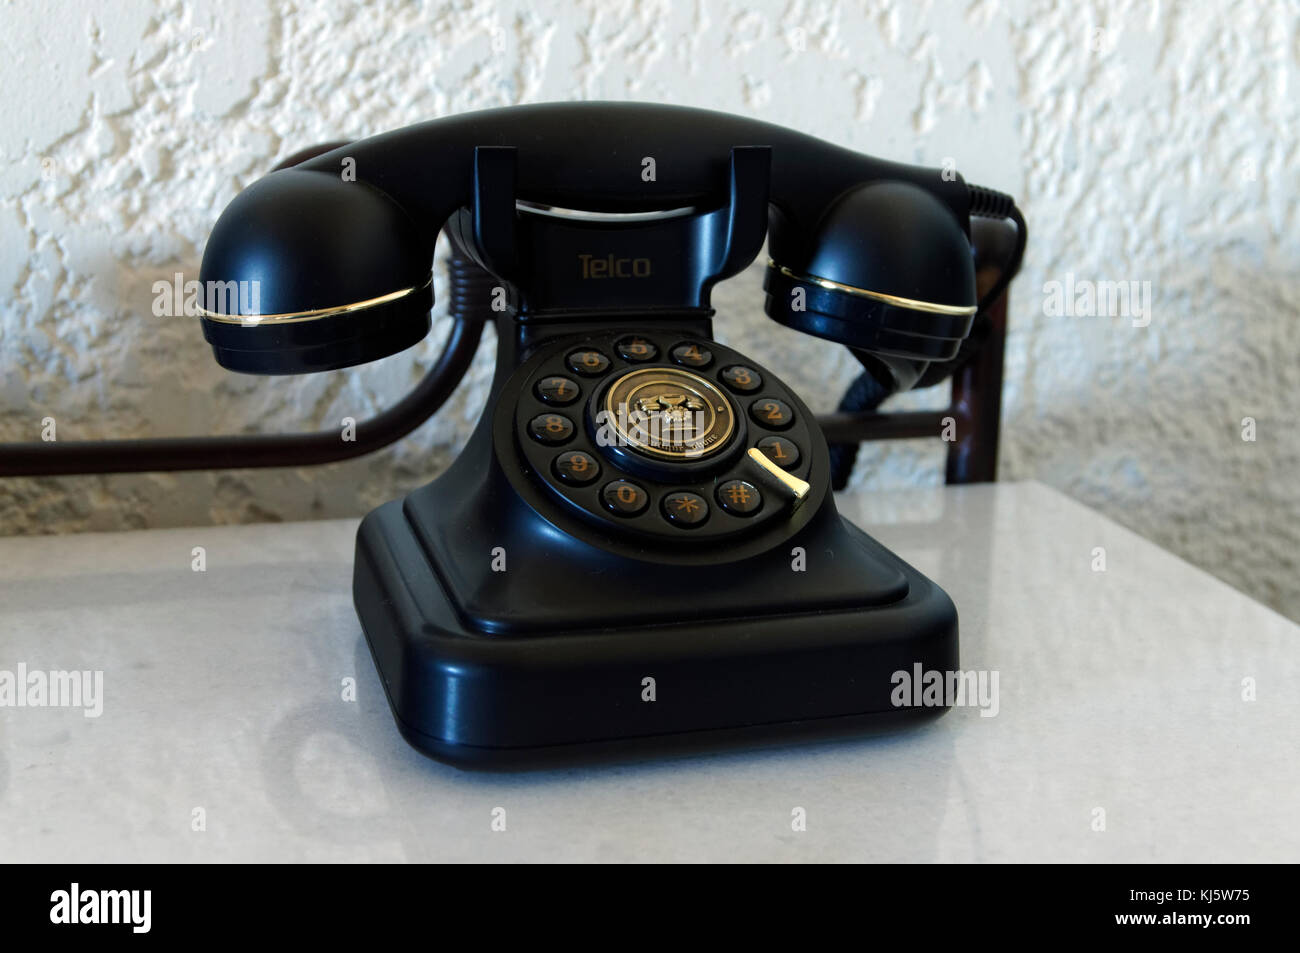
(230, 691)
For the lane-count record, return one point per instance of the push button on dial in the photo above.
(637, 349)
(559, 391)
(576, 467)
(685, 509)
(551, 428)
(589, 363)
(742, 379)
(771, 413)
(784, 453)
(624, 498)
(740, 497)
(691, 355)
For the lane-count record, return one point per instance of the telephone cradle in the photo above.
(638, 549)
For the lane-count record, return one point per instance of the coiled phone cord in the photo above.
(989, 203)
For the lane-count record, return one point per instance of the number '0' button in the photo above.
(624, 498)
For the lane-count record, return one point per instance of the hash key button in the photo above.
(740, 497)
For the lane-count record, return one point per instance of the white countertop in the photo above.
(1120, 690)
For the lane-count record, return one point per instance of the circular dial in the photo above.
(668, 413)
(659, 435)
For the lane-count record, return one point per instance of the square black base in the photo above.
(507, 701)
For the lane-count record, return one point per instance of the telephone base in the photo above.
(479, 700)
(678, 744)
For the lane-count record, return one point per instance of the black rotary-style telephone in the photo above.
(639, 542)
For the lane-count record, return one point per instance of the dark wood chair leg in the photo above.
(977, 406)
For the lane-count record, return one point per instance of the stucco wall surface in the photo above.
(1148, 142)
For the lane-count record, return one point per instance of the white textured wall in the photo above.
(1150, 141)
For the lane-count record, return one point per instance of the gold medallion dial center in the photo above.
(668, 413)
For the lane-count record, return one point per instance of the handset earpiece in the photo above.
(888, 269)
(307, 272)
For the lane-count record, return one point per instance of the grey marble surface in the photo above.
(223, 700)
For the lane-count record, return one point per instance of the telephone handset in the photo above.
(638, 546)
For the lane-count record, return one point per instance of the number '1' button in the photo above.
(780, 451)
